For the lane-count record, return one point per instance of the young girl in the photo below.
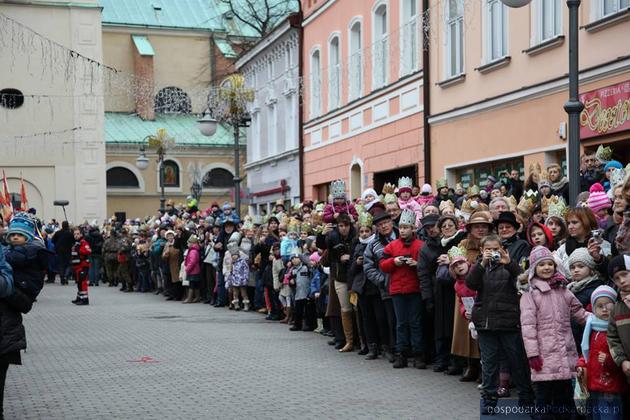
(405, 201)
(596, 369)
(237, 277)
(546, 313)
(539, 234)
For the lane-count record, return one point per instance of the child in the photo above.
(405, 201)
(618, 325)
(599, 203)
(282, 287)
(317, 279)
(463, 345)
(340, 204)
(192, 266)
(495, 315)
(80, 253)
(238, 276)
(539, 235)
(399, 260)
(596, 368)
(287, 244)
(141, 256)
(27, 255)
(546, 313)
(300, 278)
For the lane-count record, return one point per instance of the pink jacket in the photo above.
(546, 314)
(412, 205)
(193, 258)
(423, 200)
(331, 209)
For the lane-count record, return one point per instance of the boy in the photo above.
(400, 260)
(300, 278)
(80, 254)
(619, 322)
(27, 255)
(496, 316)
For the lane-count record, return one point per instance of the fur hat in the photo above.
(597, 199)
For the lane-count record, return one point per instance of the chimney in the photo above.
(144, 84)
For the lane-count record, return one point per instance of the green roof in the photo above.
(206, 15)
(123, 128)
(143, 45)
(225, 48)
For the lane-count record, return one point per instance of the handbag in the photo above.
(182, 274)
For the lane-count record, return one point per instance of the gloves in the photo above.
(536, 363)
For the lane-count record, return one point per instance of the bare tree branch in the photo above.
(261, 16)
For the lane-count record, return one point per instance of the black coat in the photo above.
(95, 239)
(12, 334)
(359, 283)
(336, 245)
(63, 240)
(497, 305)
(29, 263)
(518, 249)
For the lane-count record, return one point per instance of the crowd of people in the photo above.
(503, 286)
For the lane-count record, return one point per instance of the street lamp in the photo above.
(573, 106)
(228, 104)
(161, 141)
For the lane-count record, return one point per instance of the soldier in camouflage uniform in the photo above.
(124, 261)
(111, 247)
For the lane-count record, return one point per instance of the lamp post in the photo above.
(161, 141)
(573, 106)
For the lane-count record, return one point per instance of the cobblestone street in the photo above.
(132, 356)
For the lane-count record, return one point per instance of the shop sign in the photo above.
(606, 110)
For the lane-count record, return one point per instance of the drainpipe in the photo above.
(298, 24)
(426, 100)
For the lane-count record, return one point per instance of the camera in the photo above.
(598, 235)
(496, 256)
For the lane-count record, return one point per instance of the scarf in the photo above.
(578, 286)
(592, 324)
(446, 241)
(368, 240)
(555, 186)
(557, 281)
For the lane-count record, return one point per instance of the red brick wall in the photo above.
(144, 86)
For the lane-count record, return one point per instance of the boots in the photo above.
(387, 353)
(236, 304)
(246, 305)
(346, 321)
(320, 326)
(400, 361)
(83, 301)
(287, 315)
(419, 362)
(373, 352)
(196, 296)
(472, 372)
(76, 300)
(189, 296)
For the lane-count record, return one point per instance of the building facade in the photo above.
(51, 105)
(362, 94)
(168, 59)
(272, 69)
(499, 82)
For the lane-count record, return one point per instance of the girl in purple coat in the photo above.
(546, 313)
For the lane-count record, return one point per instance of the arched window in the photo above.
(380, 56)
(171, 173)
(172, 100)
(316, 85)
(119, 177)
(218, 178)
(355, 78)
(334, 74)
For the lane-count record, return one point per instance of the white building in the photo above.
(51, 105)
(272, 69)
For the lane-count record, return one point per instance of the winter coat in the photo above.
(286, 247)
(518, 249)
(95, 239)
(404, 279)
(193, 260)
(302, 278)
(371, 259)
(546, 315)
(336, 246)
(239, 273)
(63, 240)
(413, 206)
(604, 377)
(81, 252)
(331, 209)
(29, 263)
(619, 333)
(497, 303)
(171, 255)
(111, 246)
(13, 303)
(358, 281)
(423, 200)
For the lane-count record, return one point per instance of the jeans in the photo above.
(408, 309)
(555, 397)
(442, 351)
(95, 269)
(220, 288)
(144, 279)
(511, 344)
(605, 406)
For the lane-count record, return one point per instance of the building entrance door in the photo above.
(381, 178)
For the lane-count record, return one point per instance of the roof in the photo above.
(225, 48)
(123, 128)
(143, 45)
(205, 15)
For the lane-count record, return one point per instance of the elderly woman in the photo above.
(508, 227)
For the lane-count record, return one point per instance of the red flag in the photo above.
(7, 206)
(23, 199)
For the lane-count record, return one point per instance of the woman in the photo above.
(171, 255)
(508, 227)
(581, 223)
(192, 265)
(479, 225)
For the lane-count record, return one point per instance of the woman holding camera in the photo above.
(507, 228)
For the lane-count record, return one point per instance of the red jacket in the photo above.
(81, 251)
(461, 290)
(403, 279)
(606, 377)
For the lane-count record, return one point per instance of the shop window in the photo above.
(218, 178)
(119, 177)
(171, 174)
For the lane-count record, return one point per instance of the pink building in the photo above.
(363, 102)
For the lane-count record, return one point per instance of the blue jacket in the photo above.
(286, 246)
(6, 277)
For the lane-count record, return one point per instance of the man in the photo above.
(385, 233)
(591, 171)
(64, 240)
(394, 212)
(124, 262)
(559, 183)
(111, 246)
(516, 185)
(497, 206)
(95, 240)
(619, 205)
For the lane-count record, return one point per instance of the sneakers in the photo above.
(400, 361)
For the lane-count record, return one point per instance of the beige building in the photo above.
(167, 60)
(51, 105)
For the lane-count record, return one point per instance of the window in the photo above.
(289, 131)
(334, 74)
(454, 38)
(119, 177)
(548, 19)
(255, 138)
(171, 173)
(272, 122)
(172, 100)
(218, 178)
(355, 69)
(380, 62)
(496, 30)
(316, 100)
(11, 98)
(608, 7)
(409, 41)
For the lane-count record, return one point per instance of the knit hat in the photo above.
(426, 189)
(603, 291)
(581, 255)
(613, 164)
(315, 257)
(22, 224)
(538, 255)
(227, 206)
(617, 264)
(369, 191)
(597, 199)
(491, 178)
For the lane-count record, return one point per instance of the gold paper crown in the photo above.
(293, 225)
(546, 202)
(248, 225)
(527, 204)
(557, 209)
(469, 206)
(365, 220)
(446, 204)
(473, 190)
(306, 227)
(441, 183)
(319, 208)
(456, 251)
(604, 154)
(389, 192)
(359, 208)
(512, 203)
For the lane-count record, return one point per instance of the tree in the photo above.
(261, 15)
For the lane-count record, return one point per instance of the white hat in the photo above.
(407, 217)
